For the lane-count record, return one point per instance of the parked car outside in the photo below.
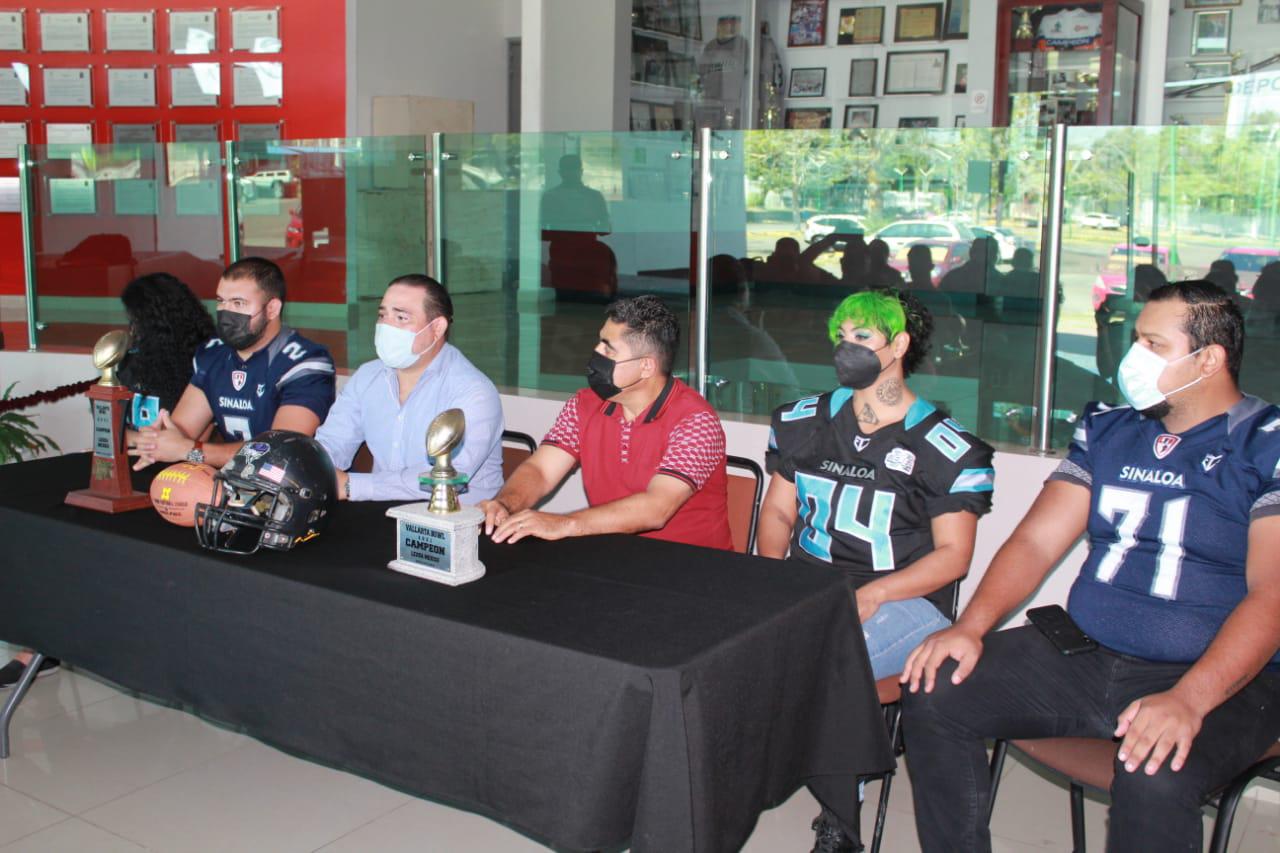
(906, 231)
(1113, 276)
(947, 255)
(1248, 262)
(817, 227)
(1103, 221)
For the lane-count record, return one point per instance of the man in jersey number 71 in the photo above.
(256, 375)
(1179, 496)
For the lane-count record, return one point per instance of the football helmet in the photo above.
(274, 493)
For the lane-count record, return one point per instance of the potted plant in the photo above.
(18, 436)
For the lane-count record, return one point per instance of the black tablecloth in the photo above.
(589, 692)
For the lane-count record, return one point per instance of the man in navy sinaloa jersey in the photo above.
(1179, 495)
(256, 375)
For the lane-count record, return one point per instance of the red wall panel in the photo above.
(313, 53)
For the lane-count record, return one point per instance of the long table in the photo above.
(591, 693)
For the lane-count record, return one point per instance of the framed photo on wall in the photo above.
(860, 116)
(918, 22)
(918, 122)
(664, 117)
(807, 23)
(916, 72)
(962, 121)
(863, 25)
(862, 77)
(962, 78)
(1211, 32)
(1269, 11)
(808, 118)
(641, 115)
(807, 83)
(955, 24)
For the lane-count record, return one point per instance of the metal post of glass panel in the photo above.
(233, 202)
(437, 207)
(753, 61)
(27, 200)
(1050, 270)
(702, 291)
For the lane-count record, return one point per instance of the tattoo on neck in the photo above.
(890, 392)
(867, 415)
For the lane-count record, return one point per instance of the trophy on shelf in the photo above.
(438, 539)
(110, 487)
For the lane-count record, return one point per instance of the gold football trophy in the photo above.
(110, 487)
(438, 539)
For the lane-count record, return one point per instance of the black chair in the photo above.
(889, 692)
(1090, 762)
(516, 447)
(745, 491)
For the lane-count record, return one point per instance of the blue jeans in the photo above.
(896, 629)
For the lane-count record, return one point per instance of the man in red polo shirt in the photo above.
(652, 450)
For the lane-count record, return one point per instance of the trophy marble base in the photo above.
(437, 547)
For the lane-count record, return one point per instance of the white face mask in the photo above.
(1139, 377)
(395, 345)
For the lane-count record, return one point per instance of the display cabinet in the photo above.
(1065, 62)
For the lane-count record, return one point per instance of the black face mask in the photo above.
(236, 330)
(857, 366)
(600, 375)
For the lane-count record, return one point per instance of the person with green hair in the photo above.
(875, 482)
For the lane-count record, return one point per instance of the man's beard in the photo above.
(1158, 412)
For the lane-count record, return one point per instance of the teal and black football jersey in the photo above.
(1169, 524)
(865, 502)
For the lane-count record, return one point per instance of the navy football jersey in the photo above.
(1169, 524)
(866, 502)
(245, 395)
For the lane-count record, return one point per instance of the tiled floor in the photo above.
(96, 770)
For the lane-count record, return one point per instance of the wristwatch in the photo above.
(196, 453)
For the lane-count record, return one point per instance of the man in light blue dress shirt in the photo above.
(389, 403)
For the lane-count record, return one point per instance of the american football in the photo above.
(177, 489)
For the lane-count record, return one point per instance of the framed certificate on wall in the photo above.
(261, 132)
(257, 84)
(134, 133)
(15, 83)
(255, 30)
(12, 30)
(198, 84)
(131, 31)
(193, 32)
(64, 32)
(67, 87)
(922, 72)
(195, 132)
(12, 134)
(131, 87)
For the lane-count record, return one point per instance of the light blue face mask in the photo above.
(1139, 377)
(395, 345)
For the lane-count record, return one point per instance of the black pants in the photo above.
(1024, 688)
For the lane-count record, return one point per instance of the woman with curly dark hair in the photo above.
(167, 324)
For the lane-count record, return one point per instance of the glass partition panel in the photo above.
(103, 215)
(801, 219)
(341, 217)
(1145, 205)
(541, 231)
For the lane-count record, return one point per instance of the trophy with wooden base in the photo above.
(110, 487)
(439, 539)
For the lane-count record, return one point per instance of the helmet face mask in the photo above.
(274, 493)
